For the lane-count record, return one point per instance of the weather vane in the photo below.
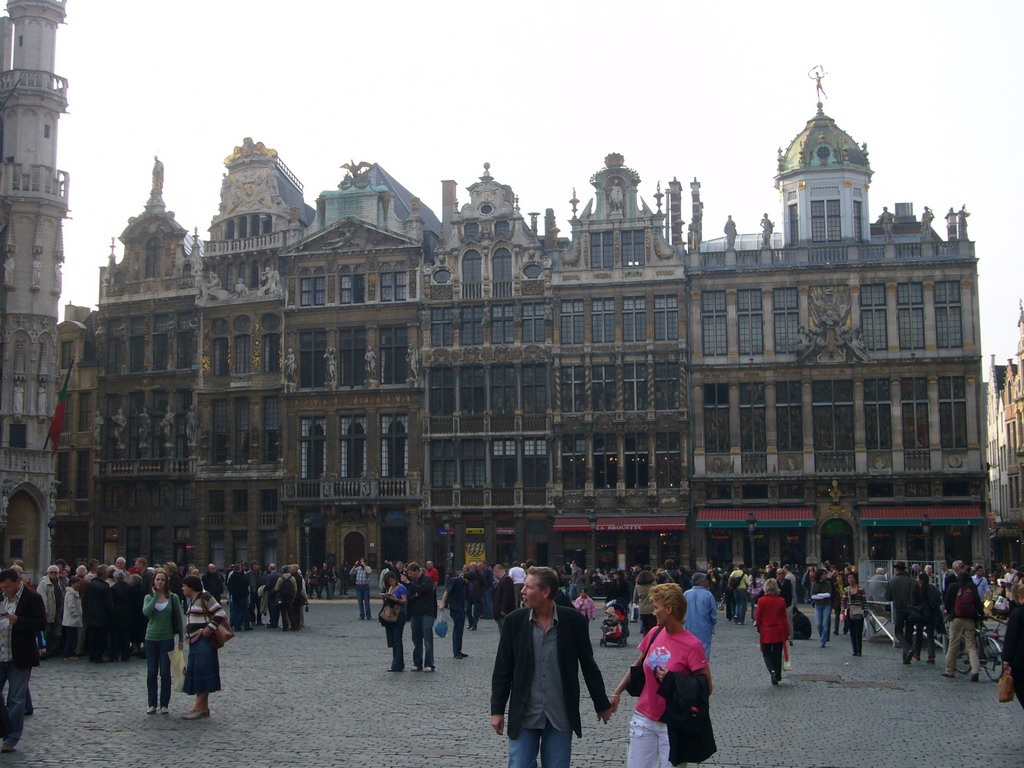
(816, 74)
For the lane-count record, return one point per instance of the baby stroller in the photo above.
(615, 627)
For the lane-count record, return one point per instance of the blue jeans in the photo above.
(823, 613)
(17, 693)
(157, 660)
(458, 628)
(422, 641)
(555, 747)
(240, 612)
(740, 596)
(487, 603)
(395, 630)
(363, 600)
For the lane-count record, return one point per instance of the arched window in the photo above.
(44, 359)
(229, 231)
(471, 274)
(152, 257)
(501, 279)
(243, 227)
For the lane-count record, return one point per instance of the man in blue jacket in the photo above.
(701, 612)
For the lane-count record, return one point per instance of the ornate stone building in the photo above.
(619, 366)
(33, 205)
(835, 375)
(1006, 454)
(486, 325)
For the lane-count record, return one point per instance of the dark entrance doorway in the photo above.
(837, 542)
(355, 547)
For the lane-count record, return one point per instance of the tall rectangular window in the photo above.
(394, 431)
(914, 407)
(394, 286)
(574, 462)
(312, 291)
(504, 472)
(243, 437)
(794, 224)
(163, 327)
(602, 321)
(185, 343)
(634, 318)
(85, 414)
(442, 391)
(572, 321)
(634, 391)
(472, 395)
(858, 220)
(113, 356)
(948, 313)
(351, 357)
(503, 390)
(666, 386)
(668, 459)
(394, 345)
(877, 414)
(502, 324)
(312, 366)
(716, 418)
(242, 353)
(472, 327)
(833, 415)
(221, 434)
(271, 353)
(634, 251)
(535, 388)
(752, 421)
(473, 463)
(271, 430)
(602, 389)
(826, 224)
(786, 317)
(751, 321)
(636, 458)
(137, 344)
(83, 471)
(352, 446)
(535, 463)
(313, 447)
(442, 463)
(572, 389)
(533, 323)
(910, 314)
(602, 250)
(219, 356)
(441, 327)
(713, 321)
(606, 460)
(874, 317)
(952, 412)
(353, 289)
(666, 318)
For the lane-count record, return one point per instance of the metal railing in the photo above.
(167, 466)
(353, 488)
(834, 461)
(917, 461)
(255, 243)
(501, 289)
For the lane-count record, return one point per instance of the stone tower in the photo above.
(33, 205)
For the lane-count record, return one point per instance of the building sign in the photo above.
(505, 531)
(474, 531)
(619, 527)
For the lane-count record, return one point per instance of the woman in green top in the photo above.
(163, 609)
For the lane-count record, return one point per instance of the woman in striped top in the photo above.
(202, 675)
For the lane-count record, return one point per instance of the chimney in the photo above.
(550, 230)
(448, 206)
(533, 221)
(675, 211)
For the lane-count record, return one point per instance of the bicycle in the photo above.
(990, 654)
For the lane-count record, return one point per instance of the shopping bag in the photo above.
(1005, 688)
(177, 669)
(634, 612)
(441, 626)
(787, 658)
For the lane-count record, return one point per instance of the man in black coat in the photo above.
(22, 617)
(98, 615)
(535, 673)
(422, 611)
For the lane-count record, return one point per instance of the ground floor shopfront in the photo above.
(809, 535)
(619, 542)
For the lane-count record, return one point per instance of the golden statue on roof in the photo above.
(817, 74)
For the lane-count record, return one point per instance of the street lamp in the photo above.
(751, 530)
(447, 523)
(306, 522)
(52, 525)
(926, 529)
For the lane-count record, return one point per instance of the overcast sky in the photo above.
(543, 91)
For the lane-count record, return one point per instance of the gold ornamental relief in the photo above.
(249, 150)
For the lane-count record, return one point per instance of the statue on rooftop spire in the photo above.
(158, 174)
(818, 73)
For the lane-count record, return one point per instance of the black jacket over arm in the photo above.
(513, 667)
(691, 738)
(31, 621)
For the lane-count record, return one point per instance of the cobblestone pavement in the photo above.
(322, 697)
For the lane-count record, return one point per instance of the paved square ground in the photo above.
(322, 697)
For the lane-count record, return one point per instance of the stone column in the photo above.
(859, 431)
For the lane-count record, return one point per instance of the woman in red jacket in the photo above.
(773, 626)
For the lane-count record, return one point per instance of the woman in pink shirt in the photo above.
(585, 605)
(666, 648)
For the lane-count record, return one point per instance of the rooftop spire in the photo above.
(817, 74)
(156, 195)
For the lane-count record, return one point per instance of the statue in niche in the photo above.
(412, 357)
(97, 427)
(9, 270)
(331, 358)
(290, 370)
(145, 427)
(41, 408)
(37, 272)
(191, 424)
(167, 426)
(371, 364)
(961, 222)
(119, 424)
(888, 221)
(767, 228)
(58, 278)
(616, 196)
(18, 399)
(730, 234)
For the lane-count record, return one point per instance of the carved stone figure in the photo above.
(961, 221)
(412, 357)
(145, 427)
(951, 225)
(332, 367)
(191, 424)
(167, 427)
(371, 364)
(18, 400)
(730, 234)
(37, 272)
(9, 270)
(887, 220)
(830, 338)
(58, 278)
(616, 196)
(41, 407)
(209, 287)
(766, 232)
(290, 370)
(119, 424)
(241, 289)
(926, 224)
(270, 283)
(158, 174)
(97, 427)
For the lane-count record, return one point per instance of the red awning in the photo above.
(914, 515)
(649, 523)
(571, 524)
(776, 517)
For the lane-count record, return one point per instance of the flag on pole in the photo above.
(57, 423)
